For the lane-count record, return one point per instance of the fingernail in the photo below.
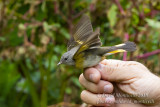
(91, 77)
(107, 88)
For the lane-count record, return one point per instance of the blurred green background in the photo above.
(34, 34)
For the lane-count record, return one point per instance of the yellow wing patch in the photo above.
(116, 51)
(82, 48)
(79, 42)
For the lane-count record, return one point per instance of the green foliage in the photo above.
(153, 23)
(34, 34)
(112, 15)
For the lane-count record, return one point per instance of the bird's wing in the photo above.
(81, 32)
(93, 41)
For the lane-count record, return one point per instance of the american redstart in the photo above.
(84, 48)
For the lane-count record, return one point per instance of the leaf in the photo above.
(47, 28)
(135, 19)
(76, 81)
(153, 23)
(56, 25)
(22, 86)
(2, 39)
(112, 15)
(9, 77)
(21, 26)
(43, 7)
(68, 90)
(40, 15)
(28, 64)
(57, 49)
(64, 33)
(13, 36)
(147, 10)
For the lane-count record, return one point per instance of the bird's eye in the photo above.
(65, 58)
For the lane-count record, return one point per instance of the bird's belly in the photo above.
(91, 60)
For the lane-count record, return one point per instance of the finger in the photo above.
(101, 87)
(92, 75)
(116, 70)
(97, 99)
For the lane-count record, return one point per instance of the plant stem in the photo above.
(146, 55)
(31, 86)
(119, 7)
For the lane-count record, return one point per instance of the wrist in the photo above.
(150, 88)
(156, 89)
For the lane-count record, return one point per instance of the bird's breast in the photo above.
(91, 60)
(85, 60)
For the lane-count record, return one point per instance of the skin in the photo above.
(111, 78)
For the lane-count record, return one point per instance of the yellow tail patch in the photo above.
(115, 51)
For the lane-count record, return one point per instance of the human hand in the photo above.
(131, 81)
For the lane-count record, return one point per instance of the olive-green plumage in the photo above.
(84, 48)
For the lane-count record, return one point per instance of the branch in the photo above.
(146, 55)
(70, 18)
(152, 13)
(92, 7)
(119, 7)
(80, 13)
(56, 7)
(2, 14)
(58, 11)
(141, 13)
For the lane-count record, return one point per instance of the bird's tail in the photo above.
(124, 47)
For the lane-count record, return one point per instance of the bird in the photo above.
(85, 48)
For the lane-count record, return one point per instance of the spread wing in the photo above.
(84, 36)
(93, 41)
(81, 32)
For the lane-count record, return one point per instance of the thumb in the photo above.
(117, 70)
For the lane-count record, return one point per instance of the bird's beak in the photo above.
(59, 63)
